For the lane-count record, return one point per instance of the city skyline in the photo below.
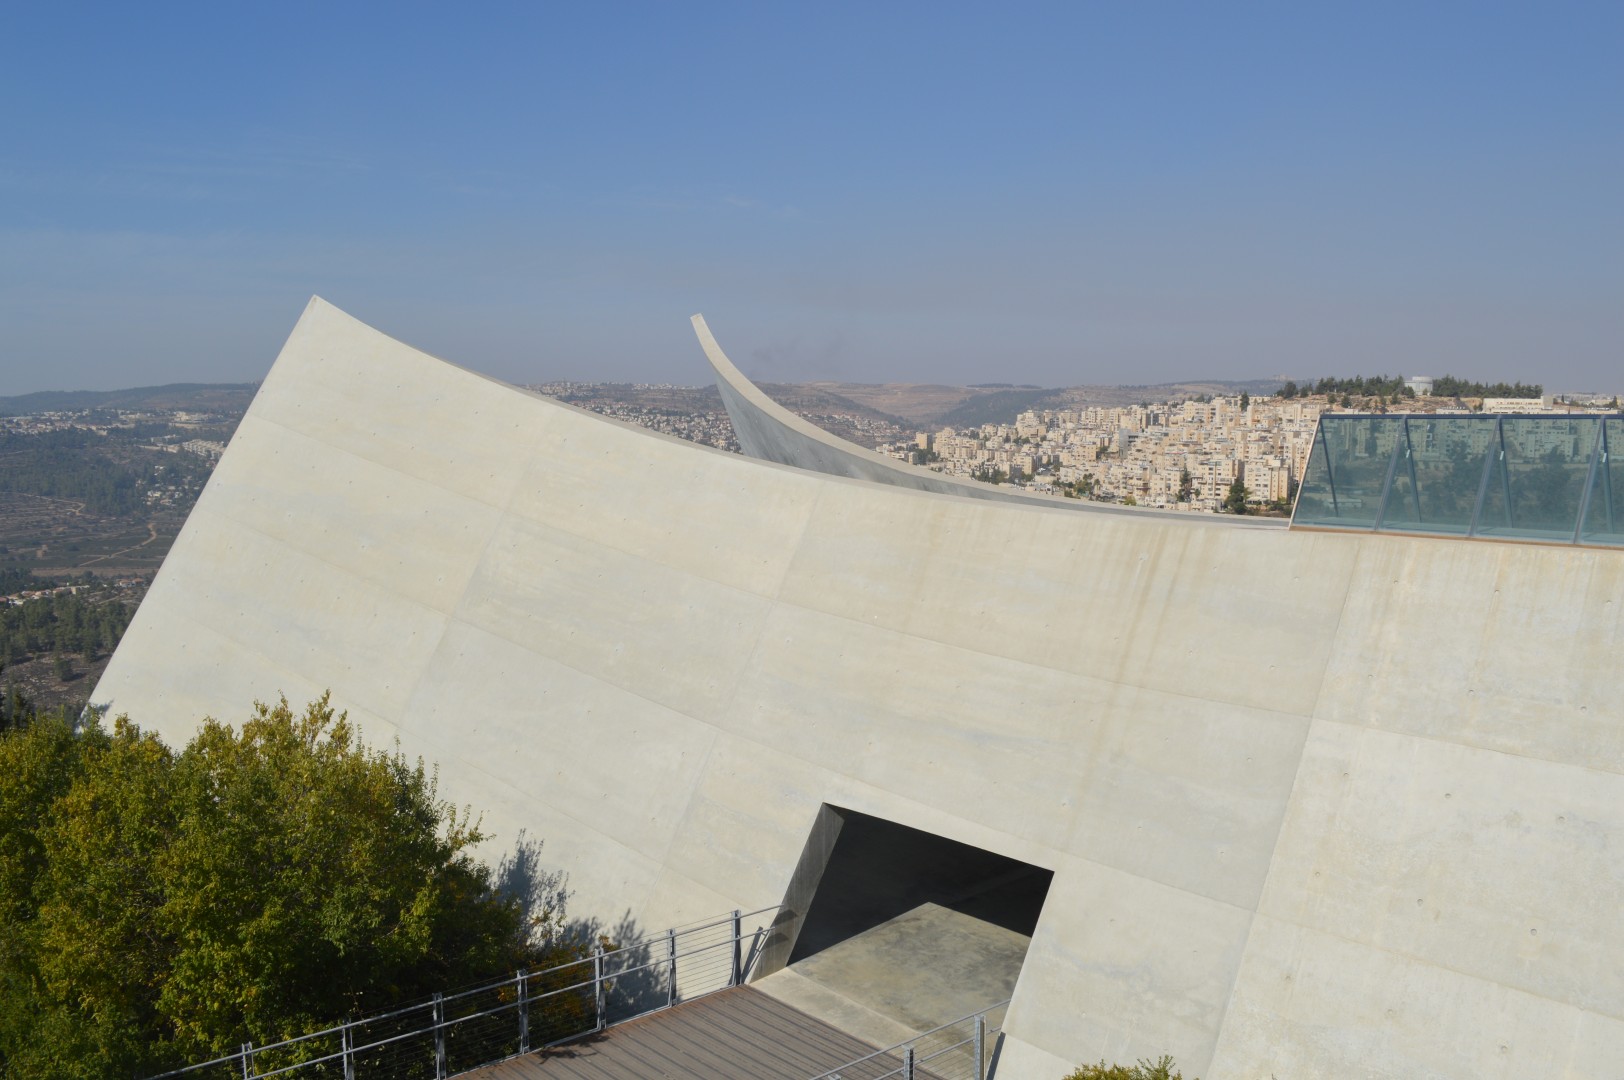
(1064, 196)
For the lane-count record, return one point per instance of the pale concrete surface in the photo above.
(834, 1008)
(1315, 804)
(923, 969)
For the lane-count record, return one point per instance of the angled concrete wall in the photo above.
(1316, 804)
(770, 432)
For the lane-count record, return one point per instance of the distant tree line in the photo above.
(85, 623)
(162, 907)
(1450, 386)
(79, 465)
(14, 580)
(1392, 386)
(65, 465)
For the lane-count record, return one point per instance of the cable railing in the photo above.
(530, 1010)
(960, 1050)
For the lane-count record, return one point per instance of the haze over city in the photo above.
(1055, 195)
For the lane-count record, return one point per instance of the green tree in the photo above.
(1246, 401)
(1235, 501)
(160, 907)
(1186, 485)
(16, 710)
(1289, 390)
(1160, 1069)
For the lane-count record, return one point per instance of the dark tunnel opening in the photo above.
(879, 870)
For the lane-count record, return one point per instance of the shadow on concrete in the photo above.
(879, 870)
(634, 981)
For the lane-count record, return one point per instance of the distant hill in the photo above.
(1000, 406)
(817, 398)
(197, 397)
(933, 405)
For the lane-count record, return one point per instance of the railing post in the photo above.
(597, 983)
(247, 1060)
(738, 951)
(439, 1037)
(908, 1064)
(524, 1012)
(347, 1044)
(981, 1047)
(671, 967)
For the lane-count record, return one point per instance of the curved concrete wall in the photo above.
(770, 432)
(1316, 805)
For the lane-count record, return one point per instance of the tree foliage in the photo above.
(1160, 1069)
(1393, 387)
(1452, 386)
(16, 709)
(107, 474)
(86, 622)
(160, 907)
(1365, 386)
(14, 580)
(1235, 500)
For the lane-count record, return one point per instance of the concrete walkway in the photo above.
(918, 971)
(739, 1034)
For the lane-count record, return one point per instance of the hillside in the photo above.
(186, 397)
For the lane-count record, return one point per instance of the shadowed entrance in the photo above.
(907, 930)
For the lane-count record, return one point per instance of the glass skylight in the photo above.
(1549, 478)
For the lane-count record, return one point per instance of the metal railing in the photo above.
(960, 1050)
(529, 1010)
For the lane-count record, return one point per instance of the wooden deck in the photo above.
(738, 1034)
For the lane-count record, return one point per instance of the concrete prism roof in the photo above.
(1316, 804)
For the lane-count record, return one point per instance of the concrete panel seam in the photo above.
(1474, 747)
(1176, 694)
(202, 512)
(599, 679)
(701, 769)
(450, 754)
(1336, 632)
(1419, 961)
(382, 464)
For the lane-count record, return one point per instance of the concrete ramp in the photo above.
(918, 971)
(737, 1034)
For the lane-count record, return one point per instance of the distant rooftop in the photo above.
(1545, 478)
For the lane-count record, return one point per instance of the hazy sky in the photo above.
(1054, 194)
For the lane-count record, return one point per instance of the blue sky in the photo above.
(1052, 194)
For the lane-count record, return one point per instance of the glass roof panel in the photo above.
(1315, 500)
(1511, 477)
(1438, 475)
(1537, 478)
(1356, 452)
(1604, 515)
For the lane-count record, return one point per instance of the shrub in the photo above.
(1160, 1069)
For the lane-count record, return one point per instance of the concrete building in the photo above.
(1300, 803)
